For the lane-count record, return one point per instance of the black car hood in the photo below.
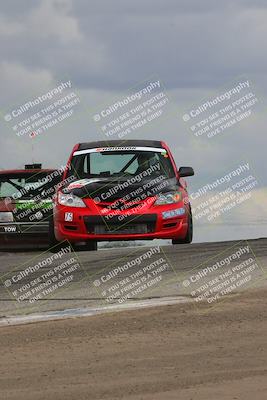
(111, 189)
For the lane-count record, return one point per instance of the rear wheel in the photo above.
(189, 234)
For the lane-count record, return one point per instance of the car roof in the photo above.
(120, 143)
(25, 171)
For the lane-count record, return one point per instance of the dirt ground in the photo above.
(173, 352)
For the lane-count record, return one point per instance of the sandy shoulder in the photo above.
(165, 353)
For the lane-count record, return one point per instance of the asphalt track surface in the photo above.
(192, 350)
(160, 353)
(123, 277)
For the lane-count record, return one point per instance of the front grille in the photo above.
(120, 230)
(138, 224)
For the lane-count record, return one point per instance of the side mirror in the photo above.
(186, 171)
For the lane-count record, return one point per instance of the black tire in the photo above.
(189, 234)
(91, 245)
(54, 244)
(51, 233)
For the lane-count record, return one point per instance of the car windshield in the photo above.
(121, 164)
(27, 185)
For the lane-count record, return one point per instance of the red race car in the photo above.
(122, 191)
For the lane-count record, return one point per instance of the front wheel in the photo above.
(189, 234)
(51, 233)
(54, 244)
(91, 245)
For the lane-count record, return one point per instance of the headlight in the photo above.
(70, 200)
(168, 198)
(6, 217)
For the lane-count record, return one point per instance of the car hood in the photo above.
(110, 189)
(6, 206)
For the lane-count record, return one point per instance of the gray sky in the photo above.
(196, 48)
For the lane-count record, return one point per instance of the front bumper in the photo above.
(23, 234)
(145, 226)
(12, 228)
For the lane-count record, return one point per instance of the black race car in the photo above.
(26, 204)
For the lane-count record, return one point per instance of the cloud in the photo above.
(112, 45)
(53, 20)
(19, 83)
(9, 27)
